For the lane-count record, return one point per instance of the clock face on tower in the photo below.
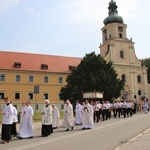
(120, 29)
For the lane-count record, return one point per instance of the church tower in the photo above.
(118, 49)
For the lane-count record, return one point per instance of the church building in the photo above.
(117, 48)
(36, 77)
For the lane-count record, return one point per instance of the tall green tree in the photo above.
(92, 74)
(146, 62)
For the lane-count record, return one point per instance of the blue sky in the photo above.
(68, 27)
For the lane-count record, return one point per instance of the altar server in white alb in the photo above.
(55, 116)
(15, 120)
(47, 128)
(26, 130)
(87, 120)
(68, 116)
(21, 114)
(7, 120)
(78, 111)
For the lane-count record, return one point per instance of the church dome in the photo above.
(112, 2)
(113, 14)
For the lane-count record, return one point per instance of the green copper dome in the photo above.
(113, 14)
(112, 2)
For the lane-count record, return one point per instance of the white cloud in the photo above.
(6, 4)
(32, 11)
(129, 9)
(84, 11)
(91, 11)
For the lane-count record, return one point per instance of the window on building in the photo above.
(139, 92)
(30, 96)
(17, 65)
(120, 35)
(46, 96)
(2, 77)
(17, 95)
(120, 29)
(18, 78)
(110, 36)
(108, 48)
(105, 34)
(139, 79)
(31, 78)
(2, 95)
(59, 95)
(37, 106)
(123, 77)
(60, 80)
(121, 54)
(45, 79)
(44, 66)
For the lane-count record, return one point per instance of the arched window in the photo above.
(139, 92)
(120, 35)
(123, 77)
(121, 54)
(139, 79)
(110, 36)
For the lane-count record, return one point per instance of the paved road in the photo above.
(106, 135)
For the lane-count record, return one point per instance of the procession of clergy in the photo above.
(85, 115)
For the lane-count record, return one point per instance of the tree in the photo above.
(146, 62)
(92, 74)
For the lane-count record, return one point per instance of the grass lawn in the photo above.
(38, 116)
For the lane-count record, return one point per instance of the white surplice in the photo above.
(26, 130)
(56, 117)
(87, 120)
(78, 111)
(47, 116)
(8, 114)
(68, 116)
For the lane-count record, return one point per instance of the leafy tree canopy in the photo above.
(146, 62)
(92, 74)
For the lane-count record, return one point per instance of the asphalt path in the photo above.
(106, 135)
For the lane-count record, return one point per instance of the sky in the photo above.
(69, 27)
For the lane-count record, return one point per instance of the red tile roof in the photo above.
(32, 62)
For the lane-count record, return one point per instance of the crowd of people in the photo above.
(86, 114)
(105, 110)
(26, 130)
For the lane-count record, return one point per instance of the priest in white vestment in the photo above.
(55, 116)
(68, 116)
(87, 120)
(47, 128)
(78, 111)
(26, 130)
(7, 120)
